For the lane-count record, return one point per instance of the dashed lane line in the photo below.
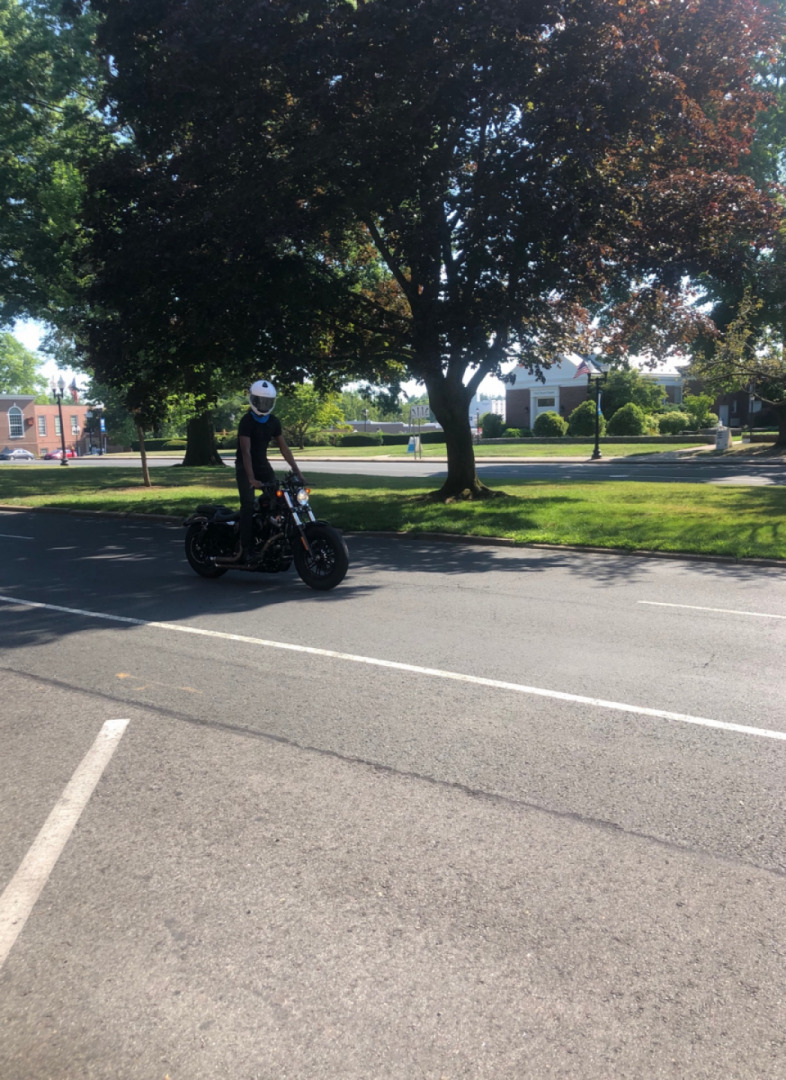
(413, 669)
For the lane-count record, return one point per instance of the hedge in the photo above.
(151, 445)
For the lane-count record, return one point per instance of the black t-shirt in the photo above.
(261, 435)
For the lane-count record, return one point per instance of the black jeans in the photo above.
(247, 495)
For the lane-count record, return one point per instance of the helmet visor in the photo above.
(262, 403)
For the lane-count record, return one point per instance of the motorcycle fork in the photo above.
(297, 521)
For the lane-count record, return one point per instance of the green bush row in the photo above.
(152, 445)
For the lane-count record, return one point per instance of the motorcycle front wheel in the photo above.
(196, 553)
(327, 562)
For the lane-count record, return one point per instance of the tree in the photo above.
(48, 128)
(444, 188)
(629, 385)
(750, 356)
(303, 410)
(19, 368)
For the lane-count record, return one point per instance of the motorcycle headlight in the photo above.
(302, 497)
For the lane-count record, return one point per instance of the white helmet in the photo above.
(262, 397)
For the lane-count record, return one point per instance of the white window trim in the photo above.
(543, 392)
(15, 411)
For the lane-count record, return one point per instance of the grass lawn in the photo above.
(741, 522)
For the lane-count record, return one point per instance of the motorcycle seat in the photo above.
(217, 513)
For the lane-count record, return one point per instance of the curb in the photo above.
(442, 538)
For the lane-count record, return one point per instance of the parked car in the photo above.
(17, 454)
(56, 455)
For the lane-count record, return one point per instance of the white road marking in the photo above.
(14, 536)
(717, 610)
(414, 669)
(25, 887)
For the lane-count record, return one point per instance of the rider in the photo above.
(257, 429)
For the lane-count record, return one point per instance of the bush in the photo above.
(673, 423)
(629, 420)
(152, 445)
(517, 433)
(491, 424)
(550, 425)
(582, 420)
(371, 438)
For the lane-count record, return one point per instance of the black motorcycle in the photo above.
(285, 531)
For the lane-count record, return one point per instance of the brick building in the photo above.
(565, 389)
(37, 427)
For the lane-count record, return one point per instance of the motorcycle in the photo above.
(285, 531)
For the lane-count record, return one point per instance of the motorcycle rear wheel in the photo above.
(328, 561)
(196, 553)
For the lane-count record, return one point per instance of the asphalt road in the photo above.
(480, 812)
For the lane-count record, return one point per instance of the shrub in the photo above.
(371, 438)
(698, 406)
(673, 423)
(582, 420)
(550, 425)
(491, 424)
(629, 420)
(152, 444)
(517, 433)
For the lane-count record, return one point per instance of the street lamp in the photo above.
(58, 389)
(595, 379)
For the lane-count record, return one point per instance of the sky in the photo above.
(31, 334)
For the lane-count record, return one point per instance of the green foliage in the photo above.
(49, 131)
(629, 385)
(549, 425)
(699, 409)
(492, 425)
(152, 445)
(372, 438)
(582, 420)
(517, 433)
(19, 368)
(370, 242)
(673, 422)
(628, 420)
(303, 410)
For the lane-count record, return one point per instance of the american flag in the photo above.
(74, 389)
(584, 368)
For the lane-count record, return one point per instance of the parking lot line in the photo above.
(25, 887)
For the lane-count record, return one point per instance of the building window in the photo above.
(42, 425)
(16, 427)
(58, 429)
(74, 425)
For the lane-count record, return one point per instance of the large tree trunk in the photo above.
(450, 404)
(781, 414)
(201, 446)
